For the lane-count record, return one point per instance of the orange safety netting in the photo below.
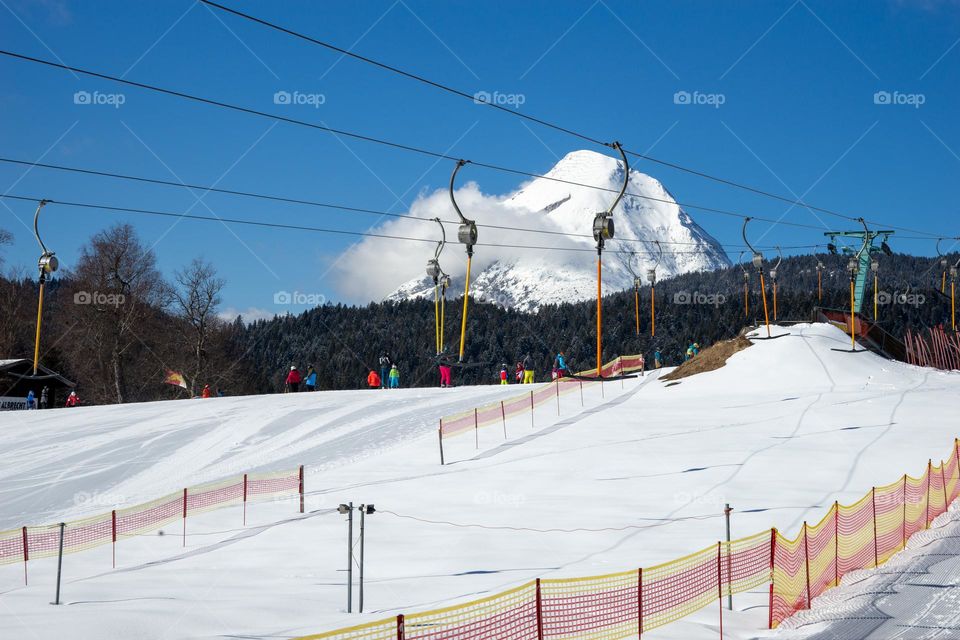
(20, 545)
(627, 604)
(498, 412)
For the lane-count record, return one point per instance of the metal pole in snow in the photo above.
(350, 558)
(362, 519)
(726, 512)
(59, 563)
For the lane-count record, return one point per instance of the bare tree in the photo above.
(196, 298)
(119, 291)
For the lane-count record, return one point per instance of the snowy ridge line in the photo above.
(19, 545)
(498, 412)
(848, 538)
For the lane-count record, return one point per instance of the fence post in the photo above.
(836, 543)
(927, 519)
(63, 526)
(26, 555)
(539, 612)
(400, 629)
(113, 530)
(440, 438)
(773, 553)
(903, 533)
(476, 427)
(531, 408)
(640, 602)
(720, 588)
(503, 416)
(602, 394)
(806, 559)
(581, 398)
(726, 512)
(301, 489)
(244, 499)
(944, 481)
(873, 502)
(184, 516)
(558, 396)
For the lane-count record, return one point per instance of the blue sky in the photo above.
(797, 82)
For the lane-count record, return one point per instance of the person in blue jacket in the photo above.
(310, 382)
(31, 400)
(560, 364)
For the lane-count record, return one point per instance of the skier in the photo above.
(446, 377)
(44, 397)
(373, 380)
(384, 369)
(220, 392)
(394, 377)
(518, 373)
(657, 359)
(503, 374)
(73, 399)
(31, 400)
(560, 364)
(311, 382)
(293, 380)
(206, 391)
(689, 353)
(527, 369)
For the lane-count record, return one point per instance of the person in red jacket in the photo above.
(206, 393)
(293, 380)
(73, 399)
(373, 380)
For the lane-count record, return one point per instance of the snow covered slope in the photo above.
(532, 278)
(635, 476)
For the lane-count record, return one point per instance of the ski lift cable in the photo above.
(478, 99)
(326, 205)
(375, 140)
(277, 225)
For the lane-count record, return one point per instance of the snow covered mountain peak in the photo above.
(562, 268)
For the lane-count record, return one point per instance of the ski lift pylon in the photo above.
(467, 235)
(757, 260)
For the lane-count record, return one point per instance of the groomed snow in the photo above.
(642, 474)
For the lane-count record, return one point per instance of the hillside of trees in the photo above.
(119, 346)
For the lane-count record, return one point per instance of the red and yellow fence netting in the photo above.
(499, 412)
(20, 545)
(628, 604)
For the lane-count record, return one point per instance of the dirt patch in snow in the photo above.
(710, 359)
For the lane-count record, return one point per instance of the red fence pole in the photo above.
(640, 602)
(301, 489)
(581, 393)
(903, 533)
(113, 529)
(184, 516)
(400, 630)
(720, 589)
(873, 502)
(558, 396)
(531, 408)
(806, 559)
(539, 612)
(476, 427)
(836, 543)
(944, 481)
(773, 551)
(244, 499)
(26, 555)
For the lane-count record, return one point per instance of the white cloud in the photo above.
(250, 314)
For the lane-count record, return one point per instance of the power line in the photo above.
(326, 205)
(474, 98)
(388, 143)
(291, 227)
(655, 522)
